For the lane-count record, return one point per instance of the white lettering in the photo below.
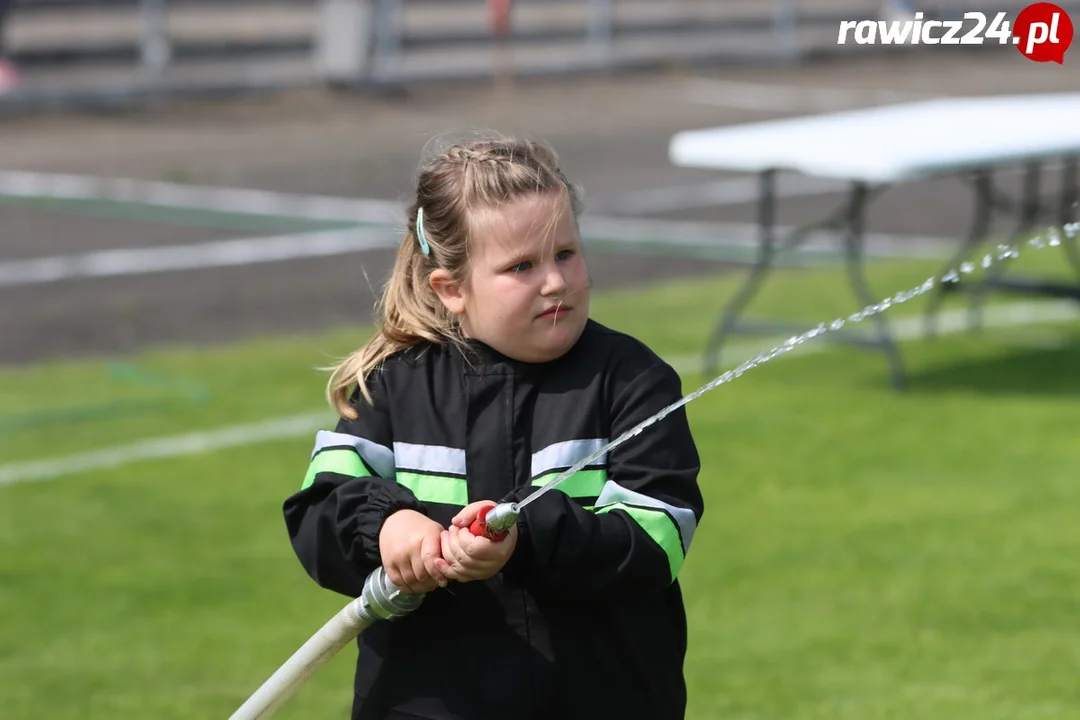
(953, 28)
(895, 31)
(866, 32)
(845, 27)
(927, 38)
(1044, 33)
(916, 31)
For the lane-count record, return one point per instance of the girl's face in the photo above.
(527, 290)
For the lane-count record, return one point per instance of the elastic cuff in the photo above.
(379, 506)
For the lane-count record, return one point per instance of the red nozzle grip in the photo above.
(479, 526)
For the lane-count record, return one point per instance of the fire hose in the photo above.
(379, 600)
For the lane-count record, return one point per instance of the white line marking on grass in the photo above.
(198, 197)
(390, 214)
(706, 237)
(169, 258)
(714, 240)
(904, 328)
(176, 445)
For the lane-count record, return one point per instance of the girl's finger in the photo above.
(450, 553)
(444, 569)
(393, 575)
(429, 553)
(408, 579)
(424, 581)
(466, 565)
(467, 514)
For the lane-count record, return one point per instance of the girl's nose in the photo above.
(554, 282)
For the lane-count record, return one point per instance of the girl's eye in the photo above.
(563, 254)
(521, 266)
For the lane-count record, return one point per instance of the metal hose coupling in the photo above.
(502, 517)
(383, 600)
(493, 522)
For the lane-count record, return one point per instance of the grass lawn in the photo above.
(866, 554)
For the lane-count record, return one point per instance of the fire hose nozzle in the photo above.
(495, 522)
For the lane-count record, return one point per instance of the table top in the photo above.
(894, 143)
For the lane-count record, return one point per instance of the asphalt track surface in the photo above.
(611, 132)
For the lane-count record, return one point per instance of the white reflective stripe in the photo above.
(378, 457)
(614, 493)
(562, 455)
(430, 459)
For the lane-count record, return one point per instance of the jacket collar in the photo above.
(481, 358)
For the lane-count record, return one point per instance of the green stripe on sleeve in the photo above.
(582, 484)
(658, 525)
(436, 488)
(342, 462)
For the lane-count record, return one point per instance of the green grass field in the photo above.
(865, 555)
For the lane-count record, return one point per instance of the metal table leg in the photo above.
(855, 242)
(985, 203)
(766, 254)
(1067, 212)
(1026, 220)
(1029, 210)
(847, 219)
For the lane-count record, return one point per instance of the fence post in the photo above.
(784, 23)
(389, 22)
(600, 33)
(344, 41)
(155, 49)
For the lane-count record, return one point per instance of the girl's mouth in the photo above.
(556, 312)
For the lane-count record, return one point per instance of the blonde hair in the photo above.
(479, 174)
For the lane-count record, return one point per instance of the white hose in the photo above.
(380, 600)
(312, 655)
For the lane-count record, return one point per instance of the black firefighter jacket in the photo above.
(586, 619)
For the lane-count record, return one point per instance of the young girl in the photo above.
(486, 378)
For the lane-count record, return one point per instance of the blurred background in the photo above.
(199, 202)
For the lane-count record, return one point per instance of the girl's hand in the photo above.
(471, 557)
(410, 547)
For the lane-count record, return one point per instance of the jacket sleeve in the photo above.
(638, 533)
(347, 493)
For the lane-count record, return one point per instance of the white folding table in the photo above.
(873, 149)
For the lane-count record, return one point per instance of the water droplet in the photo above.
(951, 277)
(967, 268)
(836, 324)
(1036, 242)
(1071, 229)
(1054, 241)
(987, 261)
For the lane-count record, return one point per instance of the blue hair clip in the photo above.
(420, 234)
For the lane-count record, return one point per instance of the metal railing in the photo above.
(166, 46)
